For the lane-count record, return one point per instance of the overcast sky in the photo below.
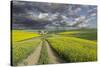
(39, 14)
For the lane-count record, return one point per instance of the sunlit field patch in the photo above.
(18, 35)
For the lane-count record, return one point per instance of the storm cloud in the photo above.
(36, 15)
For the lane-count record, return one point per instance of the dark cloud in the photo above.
(39, 14)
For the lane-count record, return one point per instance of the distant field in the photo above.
(85, 34)
(18, 35)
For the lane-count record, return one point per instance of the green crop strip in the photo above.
(44, 54)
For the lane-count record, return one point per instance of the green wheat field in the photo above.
(70, 46)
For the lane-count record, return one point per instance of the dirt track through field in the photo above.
(53, 57)
(33, 58)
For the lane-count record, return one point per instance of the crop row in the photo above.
(44, 54)
(74, 49)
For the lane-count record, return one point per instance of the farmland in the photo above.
(74, 49)
(90, 34)
(23, 49)
(18, 35)
(20, 50)
(60, 47)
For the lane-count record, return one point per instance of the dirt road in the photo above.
(33, 58)
(53, 57)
